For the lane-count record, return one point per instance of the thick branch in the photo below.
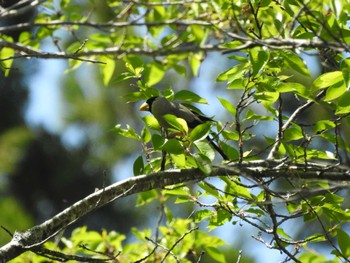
(36, 236)
(28, 52)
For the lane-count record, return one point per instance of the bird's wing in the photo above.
(191, 117)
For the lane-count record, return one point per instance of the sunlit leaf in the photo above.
(202, 214)
(343, 105)
(327, 79)
(295, 62)
(203, 162)
(343, 242)
(173, 146)
(129, 132)
(177, 123)
(259, 59)
(186, 95)
(335, 91)
(153, 73)
(228, 106)
(108, 70)
(209, 189)
(151, 122)
(200, 132)
(205, 148)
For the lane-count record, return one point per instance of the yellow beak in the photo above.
(144, 107)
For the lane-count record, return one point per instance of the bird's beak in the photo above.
(144, 107)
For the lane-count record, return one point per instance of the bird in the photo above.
(160, 106)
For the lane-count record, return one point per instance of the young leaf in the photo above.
(153, 73)
(200, 132)
(173, 146)
(151, 122)
(145, 135)
(335, 91)
(215, 254)
(203, 162)
(6, 53)
(293, 133)
(177, 123)
(258, 60)
(343, 242)
(186, 95)
(294, 62)
(108, 69)
(228, 106)
(204, 148)
(129, 132)
(209, 189)
(202, 214)
(343, 105)
(157, 141)
(327, 79)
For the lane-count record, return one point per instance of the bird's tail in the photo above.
(217, 148)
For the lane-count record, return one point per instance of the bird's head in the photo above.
(147, 106)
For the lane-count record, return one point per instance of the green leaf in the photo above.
(123, 76)
(231, 152)
(230, 135)
(335, 91)
(343, 242)
(266, 97)
(259, 59)
(343, 105)
(215, 254)
(177, 191)
(228, 106)
(234, 73)
(146, 197)
(298, 88)
(198, 33)
(203, 162)
(220, 218)
(202, 214)
(129, 132)
(313, 257)
(138, 166)
(236, 189)
(151, 122)
(157, 141)
(205, 148)
(173, 146)
(209, 189)
(293, 133)
(323, 125)
(6, 53)
(327, 79)
(294, 62)
(251, 115)
(107, 70)
(200, 132)
(189, 96)
(177, 123)
(153, 73)
(195, 60)
(145, 135)
(345, 67)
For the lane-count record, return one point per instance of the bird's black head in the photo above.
(150, 102)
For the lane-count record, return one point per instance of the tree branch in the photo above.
(36, 236)
(28, 52)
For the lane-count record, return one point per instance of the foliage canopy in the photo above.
(285, 126)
